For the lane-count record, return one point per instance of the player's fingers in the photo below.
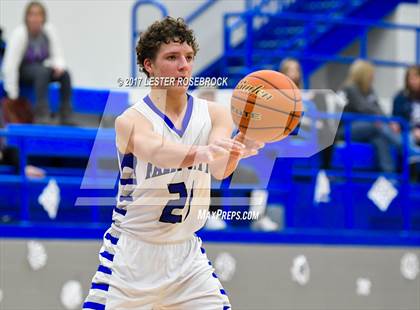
(240, 137)
(251, 152)
(238, 153)
(234, 142)
(254, 144)
(229, 145)
(230, 151)
(218, 150)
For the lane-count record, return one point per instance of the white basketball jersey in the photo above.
(162, 205)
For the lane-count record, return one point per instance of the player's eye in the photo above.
(171, 57)
(189, 58)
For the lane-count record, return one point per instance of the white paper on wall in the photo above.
(363, 286)
(409, 266)
(300, 270)
(225, 265)
(50, 198)
(37, 255)
(71, 295)
(382, 193)
(322, 188)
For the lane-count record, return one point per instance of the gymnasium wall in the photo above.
(96, 35)
(256, 276)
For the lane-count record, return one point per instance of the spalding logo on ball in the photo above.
(266, 106)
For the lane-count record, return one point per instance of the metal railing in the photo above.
(248, 51)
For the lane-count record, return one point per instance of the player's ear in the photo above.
(147, 64)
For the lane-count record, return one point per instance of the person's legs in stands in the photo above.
(383, 154)
(393, 138)
(369, 132)
(363, 131)
(39, 76)
(324, 136)
(65, 95)
(414, 158)
(395, 141)
(414, 148)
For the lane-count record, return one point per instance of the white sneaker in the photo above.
(215, 223)
(265, 224)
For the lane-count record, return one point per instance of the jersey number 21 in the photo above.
(176, 188)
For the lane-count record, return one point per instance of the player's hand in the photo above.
(218, 149)
(251, 146)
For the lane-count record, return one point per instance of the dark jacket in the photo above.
(357, 102)
(402, 106)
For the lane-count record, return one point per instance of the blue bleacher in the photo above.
(84, 100)
(285, 183)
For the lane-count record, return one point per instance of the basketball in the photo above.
(266, 106)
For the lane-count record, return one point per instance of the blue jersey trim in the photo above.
(127, 160)
(107, 255)
(128, 181)
(167, 120)
(93, 305)
(111, 238)
(120, 211)
(104, 269)
(125, 198)
(100, 286)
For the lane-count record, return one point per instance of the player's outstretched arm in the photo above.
(135, 135)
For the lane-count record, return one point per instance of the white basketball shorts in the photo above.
(137, 275)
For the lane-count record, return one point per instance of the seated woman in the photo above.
(407, 106)
(33, 57)
(361, 98)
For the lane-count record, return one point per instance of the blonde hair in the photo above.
(360, 73)
(285, 65)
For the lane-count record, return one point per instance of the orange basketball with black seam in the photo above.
(266, 106)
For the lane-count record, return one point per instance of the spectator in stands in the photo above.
(312, 101)
(2, 46)
(361, 98)
(292, 68)
(34, 57)
(407, 106)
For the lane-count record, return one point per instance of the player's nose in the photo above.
(183, 64)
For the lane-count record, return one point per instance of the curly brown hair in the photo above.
(165, 31)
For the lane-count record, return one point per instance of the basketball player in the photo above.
(169, 143)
